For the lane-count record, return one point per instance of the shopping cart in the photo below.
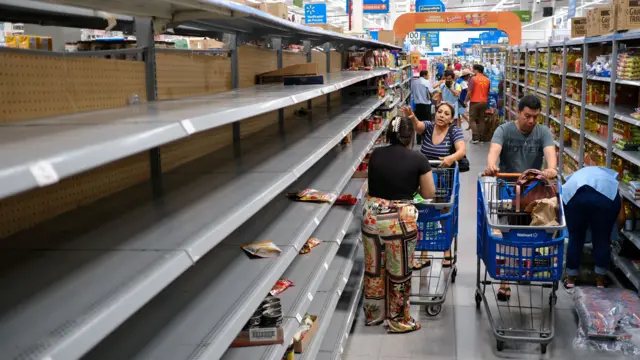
(437, 229)
(528, 257)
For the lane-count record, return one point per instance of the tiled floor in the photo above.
(460, 331)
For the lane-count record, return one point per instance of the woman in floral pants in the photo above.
(389, 228)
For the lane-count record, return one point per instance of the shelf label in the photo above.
(299, 318)
(326, 266)
(188, 126)
(315, 220)
(44, 173)
(339, 240)
(263, 334)
(339, 292)
(344, 278)
(343, 232)
(341, 350)
(310, 297)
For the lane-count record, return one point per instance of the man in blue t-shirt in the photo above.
(439, 70)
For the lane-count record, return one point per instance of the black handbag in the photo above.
(463, 164)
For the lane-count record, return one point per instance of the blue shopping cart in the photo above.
(515, 253)
(437, 232)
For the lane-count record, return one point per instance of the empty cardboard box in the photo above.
(578, 27)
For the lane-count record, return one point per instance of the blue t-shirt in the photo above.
(435, 152)
(440, 68)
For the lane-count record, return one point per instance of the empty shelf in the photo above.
(337, 334)
(123, 250)
(325, 302)
(40, 152)
(307, 271)
(202, 311)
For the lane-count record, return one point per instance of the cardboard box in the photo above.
(329, 27)
(578, 27)
(399, 42)
(592, 25)
(300, 346)
(627, 14)
(600, 21)
(259, 337)
(387, 36)
(277, 9)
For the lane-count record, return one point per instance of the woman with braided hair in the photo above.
(389, 228)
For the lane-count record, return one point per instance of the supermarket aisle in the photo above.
(460, 331)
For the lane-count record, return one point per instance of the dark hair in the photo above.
(405, 133)
(449, 73)
(530, 101)
(423, 73)
(478, 67)
(451, 108)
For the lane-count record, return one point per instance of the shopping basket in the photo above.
(529, 257)
(437, 230)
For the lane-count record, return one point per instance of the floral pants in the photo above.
(389, 234)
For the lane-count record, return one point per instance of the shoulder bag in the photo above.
(463, 164)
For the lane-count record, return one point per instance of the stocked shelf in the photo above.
(34, 151)
(582, 93)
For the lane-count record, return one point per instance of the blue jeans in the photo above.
(590, 210)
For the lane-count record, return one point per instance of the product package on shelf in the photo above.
(362, 171)
(628, 65)
(264, 327)
(305, 333)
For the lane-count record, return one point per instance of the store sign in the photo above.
(475, 41)
(372, 6)
(524, 15)
(429, 6)
(414, 38)
(432, 38)
(460, 53)
(315, 13)
(373, 34)
(571, 12)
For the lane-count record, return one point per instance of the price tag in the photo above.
(326, 266)
(344, 278)
(44, 173)
(343, 232)
(339, 292)
(315, 220)
(310, 297)
(339, 240)
(299, 318)
(263, 334)
(188, 126)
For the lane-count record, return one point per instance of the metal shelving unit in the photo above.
(160, 274)
(612, 110)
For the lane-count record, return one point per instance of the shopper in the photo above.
(439, 70)
(451, 91)
(423, 92)
(478, 97)
(591, 205)
(463, 80)
(441, 140)
(457, 66)
(390, 226)
(521, 145)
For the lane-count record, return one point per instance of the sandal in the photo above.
(420, 265)
(402, 327)
(504, 294)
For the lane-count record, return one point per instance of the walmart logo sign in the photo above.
(315, 13)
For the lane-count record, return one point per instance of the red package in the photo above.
(346, 199)
(280, 286)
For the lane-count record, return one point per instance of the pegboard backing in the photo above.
(289, 58)
(184, 150)
(253, 60)
(28, 209)
(183, 75)
(34, 86)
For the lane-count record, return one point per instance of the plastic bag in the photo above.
(265, 249)
(310, 244)
(280, 286)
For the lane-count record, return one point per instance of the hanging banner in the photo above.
(571, 12)
(476, 21)
(524, 15)
(431, 37)
(429, 6)
(373, 6)
(315, 13)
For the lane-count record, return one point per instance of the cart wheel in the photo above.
(453, 275)
(478, 300)
(543, 349)
(433, 310)
(500, 345)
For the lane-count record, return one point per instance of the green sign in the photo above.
(297, 3)
(524, 15)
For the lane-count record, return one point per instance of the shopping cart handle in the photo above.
(508, 175)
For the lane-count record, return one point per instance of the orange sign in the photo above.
(477, 21)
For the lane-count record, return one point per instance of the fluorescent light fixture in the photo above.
(560, 14)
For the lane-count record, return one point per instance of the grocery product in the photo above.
(265, 249)
(280, 286)
(310, 244)
(313, 195)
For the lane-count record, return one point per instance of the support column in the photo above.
(327, 53)
(306, 49)
(232, 41)
(276, 44)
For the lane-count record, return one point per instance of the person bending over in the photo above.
(591, 205)
(522, 145)
(390, 226)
